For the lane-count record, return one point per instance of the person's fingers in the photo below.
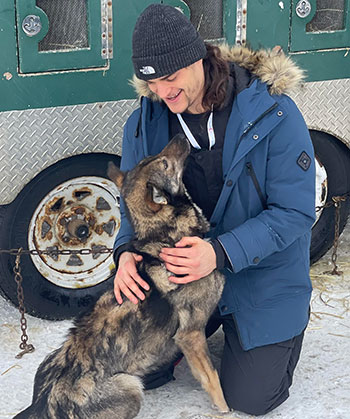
(183, 279)
(177, 261)
(173, 251)
(138, 258)
(117, 292)
(177, 270)
(128, 280)
(188, 241)
(141, 282)
(132, 284)
(126, 290)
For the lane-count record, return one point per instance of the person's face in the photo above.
(181, 91)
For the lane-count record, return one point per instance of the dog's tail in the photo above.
(25, 414)
(119, 397)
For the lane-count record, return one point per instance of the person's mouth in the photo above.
(173, 98)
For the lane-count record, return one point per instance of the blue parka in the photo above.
(266, 209)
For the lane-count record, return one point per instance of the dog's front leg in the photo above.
(194, 346)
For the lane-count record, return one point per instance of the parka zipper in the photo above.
(251, 173)
(249, 166)
(252, 124)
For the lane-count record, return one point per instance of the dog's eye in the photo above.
(165, 163)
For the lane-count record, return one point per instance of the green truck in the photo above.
(65, 97)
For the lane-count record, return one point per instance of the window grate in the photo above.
(68, 25)
(330, 16)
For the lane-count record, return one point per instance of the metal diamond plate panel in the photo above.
(326, 106)
(32, 140)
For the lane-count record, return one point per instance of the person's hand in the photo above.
(192, 257)
(127, 279)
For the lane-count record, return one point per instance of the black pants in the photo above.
(254, 381)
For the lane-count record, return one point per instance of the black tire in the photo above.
(43, 298)
(335, 157)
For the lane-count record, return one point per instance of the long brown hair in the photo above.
(216, 72)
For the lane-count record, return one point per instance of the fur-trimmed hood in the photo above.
(272, 67)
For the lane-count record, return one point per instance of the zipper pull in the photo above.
(247, 128)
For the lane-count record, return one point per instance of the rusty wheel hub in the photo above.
(321, 187)
(80, 213)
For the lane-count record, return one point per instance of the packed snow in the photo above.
(321, 387)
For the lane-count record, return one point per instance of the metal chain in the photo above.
(29, 348)
(55, 252)
(337, 200)
(26, 348)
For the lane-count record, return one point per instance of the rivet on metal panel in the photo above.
(7, 75)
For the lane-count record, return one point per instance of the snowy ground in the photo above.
(321, 386)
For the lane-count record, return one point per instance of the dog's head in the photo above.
(156, 180)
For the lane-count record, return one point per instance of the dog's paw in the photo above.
(222, 408)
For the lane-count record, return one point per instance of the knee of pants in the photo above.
(253, 401)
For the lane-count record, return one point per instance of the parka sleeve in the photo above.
(128, 162)
(290, 196)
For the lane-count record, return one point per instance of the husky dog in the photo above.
(97, 373)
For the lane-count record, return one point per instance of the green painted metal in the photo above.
(302, 40)
(61, 88)
(269, 22)
(324, 65)
(229, 20)
(272, 22)
(33, 61)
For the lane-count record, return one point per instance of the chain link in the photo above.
(55, 252)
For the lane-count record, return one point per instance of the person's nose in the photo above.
(161, 89)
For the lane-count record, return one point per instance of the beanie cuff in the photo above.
(148, 68)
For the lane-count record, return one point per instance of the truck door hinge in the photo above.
(106, 29)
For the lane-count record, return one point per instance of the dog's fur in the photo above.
(97, 372)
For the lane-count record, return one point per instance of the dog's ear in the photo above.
(158, 197)
(115, 174)
(155, 200)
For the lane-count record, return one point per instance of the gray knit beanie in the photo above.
(163, 42)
